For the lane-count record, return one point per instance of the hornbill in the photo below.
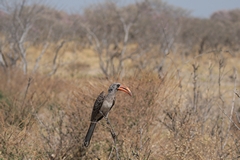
(102, 106)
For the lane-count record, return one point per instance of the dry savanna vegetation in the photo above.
(182, 71)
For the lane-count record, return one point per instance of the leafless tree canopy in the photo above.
(117, 33)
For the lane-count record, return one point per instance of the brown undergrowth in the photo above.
(47, 118)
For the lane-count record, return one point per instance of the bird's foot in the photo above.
(107, 121)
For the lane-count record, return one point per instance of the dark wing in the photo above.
(96, 116)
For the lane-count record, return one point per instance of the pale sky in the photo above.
(198, 8)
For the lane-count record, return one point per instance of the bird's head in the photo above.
(113, 88)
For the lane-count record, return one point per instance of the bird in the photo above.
(103, 104)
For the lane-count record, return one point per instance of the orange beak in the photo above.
(125, 89)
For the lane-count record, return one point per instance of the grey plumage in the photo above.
(102, 106)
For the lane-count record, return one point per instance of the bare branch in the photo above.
(42, 52)
(232, 109)
(55, 64)
(114, 136)
(40, 57)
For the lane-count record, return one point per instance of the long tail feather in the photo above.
(89, 134)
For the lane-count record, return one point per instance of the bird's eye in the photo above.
(118, 85)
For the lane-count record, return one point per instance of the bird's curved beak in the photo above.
(125, 89)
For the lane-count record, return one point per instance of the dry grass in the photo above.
(178, 117)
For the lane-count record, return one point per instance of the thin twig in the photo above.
(237, 94)
(45, 46)
(26, 91)
(114, 138)
(55, 64)
(110, 155)
(229, 118)
(195, 86)
(232, 109)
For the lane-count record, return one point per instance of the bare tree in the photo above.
(108, 31)
(22, 18)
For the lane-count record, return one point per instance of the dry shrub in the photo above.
(22, 99)
(130, 118)
(47, 118)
